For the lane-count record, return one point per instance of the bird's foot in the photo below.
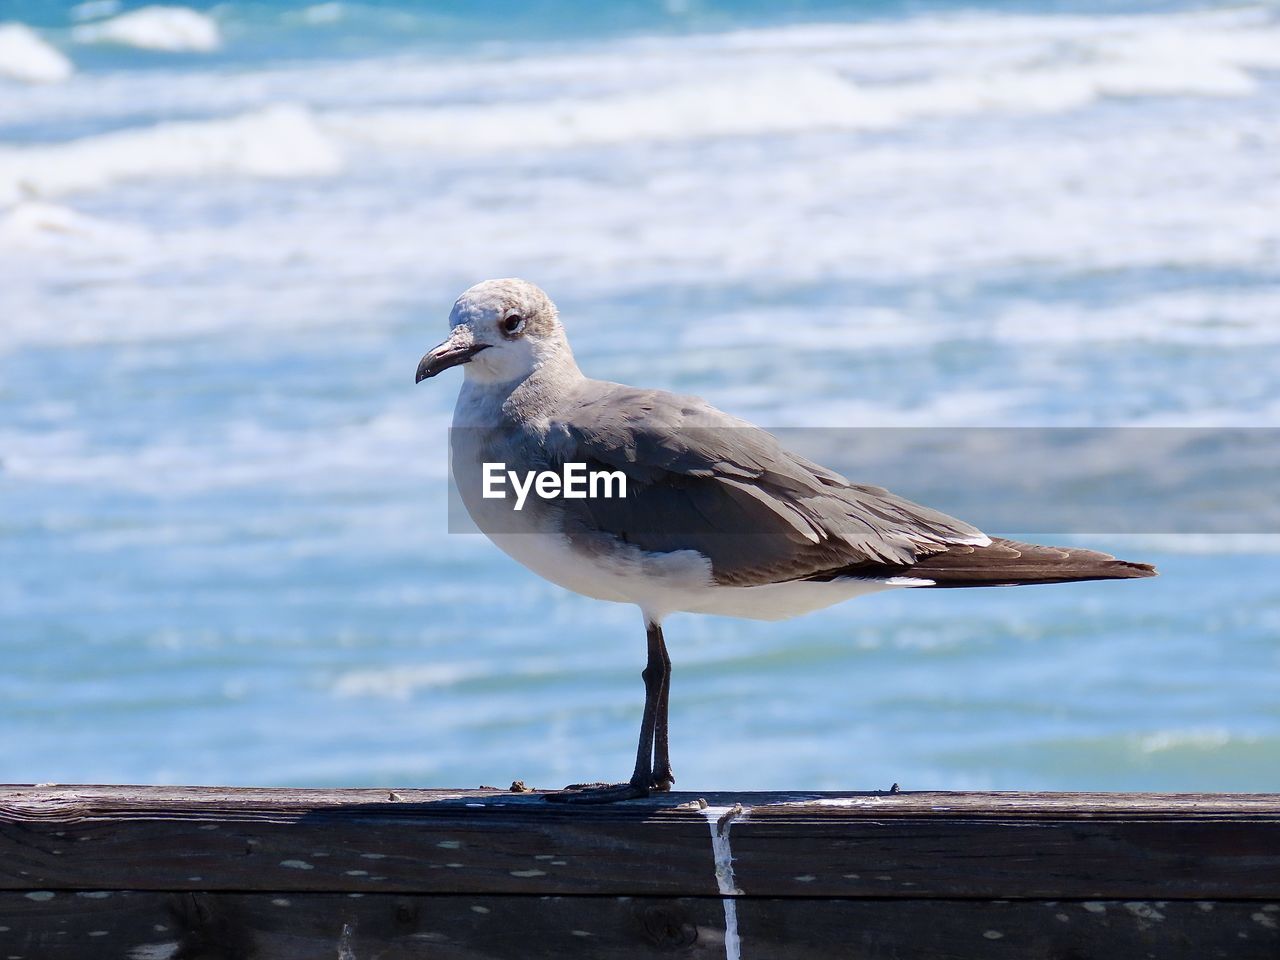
(598, 793)
(663, 781)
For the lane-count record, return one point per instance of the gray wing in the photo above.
(699, 479)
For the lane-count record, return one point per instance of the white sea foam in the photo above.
(1060, 65)
(785, 101)
(173, 29)
(1211, 318)
(46, 227)
(93, 9)
(1087, 194)
(763, 82)
(278, 141)
(1222, 317)
(27, 57)
(795, 100)
(1208, 739)
(242, 454)
(323, 13)
(403, 682)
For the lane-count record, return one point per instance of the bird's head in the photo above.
(502, 329)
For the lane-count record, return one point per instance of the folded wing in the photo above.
(699, 479)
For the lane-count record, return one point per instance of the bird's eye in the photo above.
(512, 323)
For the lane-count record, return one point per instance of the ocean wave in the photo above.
(277, 141)
(411, 211)
(25, 56)
(405, 681)
(846, 78)
(94, 9)
(780, 102)
(1227, 317)
(46, 227)
(751, 104)
(171, 29)
(1195, 740)
(726, 86)
(323, 13)
(746, 83)
(240, 455)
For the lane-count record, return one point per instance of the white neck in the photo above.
(532, 396)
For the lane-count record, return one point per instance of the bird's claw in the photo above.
(663, 782)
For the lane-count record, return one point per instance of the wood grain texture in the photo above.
(906, 845)
(191, 873)
(281, 926)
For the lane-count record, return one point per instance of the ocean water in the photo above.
(227, 233)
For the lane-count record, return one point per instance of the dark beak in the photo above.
(448, 354)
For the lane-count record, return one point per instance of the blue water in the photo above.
(222, 500)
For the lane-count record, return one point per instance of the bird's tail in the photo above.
(1003, 563)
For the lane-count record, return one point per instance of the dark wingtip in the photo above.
(1139, 570)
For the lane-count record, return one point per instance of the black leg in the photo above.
(656, 670)
(654, 676)
(663, 778)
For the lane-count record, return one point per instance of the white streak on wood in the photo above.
(344, 943)
(720, 819)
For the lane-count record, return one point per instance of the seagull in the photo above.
(717, 516)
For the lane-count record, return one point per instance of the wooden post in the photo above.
(196, 873)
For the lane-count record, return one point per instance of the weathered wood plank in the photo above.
(57, 798)
(908, 845)
(285, 926)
